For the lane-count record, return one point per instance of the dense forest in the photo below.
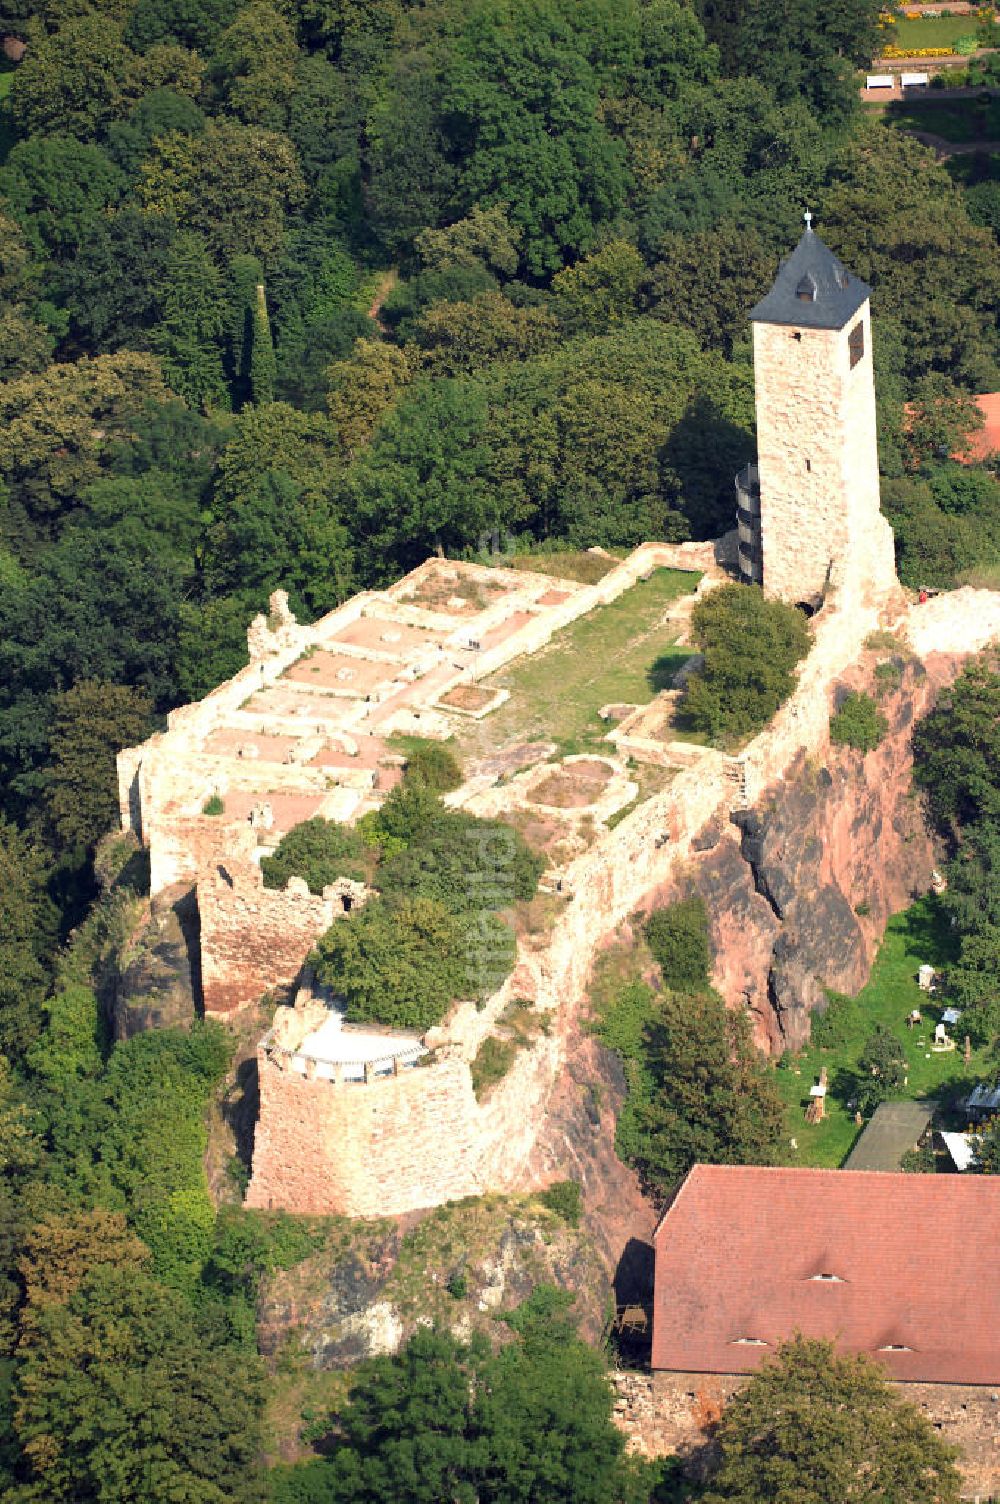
(294, 294)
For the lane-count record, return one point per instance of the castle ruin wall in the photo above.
(379, 1148)
(486, 1146)
(668, 1414)
(255, 939)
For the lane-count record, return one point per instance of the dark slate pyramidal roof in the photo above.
(812, 289)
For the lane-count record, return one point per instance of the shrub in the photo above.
(214, 805)
(457, 1285)
(402, 962)
(320, 851)
(884, 642)
(409, 811)
(465, 863)
(919, 1161)
(678, 938)
(858, 723)
(493, 1060)
(831, 1029)
(888, 676)
(565, 1199)
(750, 647)
(434, 764)
(881, 1069)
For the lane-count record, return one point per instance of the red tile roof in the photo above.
(916, 1260)
(985, 441)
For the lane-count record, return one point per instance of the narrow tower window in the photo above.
(856, 343)
(809, 465)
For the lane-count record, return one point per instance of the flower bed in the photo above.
(895, 52)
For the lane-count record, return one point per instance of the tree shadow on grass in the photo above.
(843, 1087)
(927, 928)
(662, 671)
(949, 1093)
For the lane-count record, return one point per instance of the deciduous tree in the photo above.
(28, 927)
(750, 648)
(817, 1423)
(712, 1100)
(92, 721)
(123, 1394)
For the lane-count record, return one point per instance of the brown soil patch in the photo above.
(356, 676)
(553, 598)
(574, 785)
(506, 628)
(513, 758)
(387, 636)
(287, 809)
(371, 750)
(544, 832)
(312, 710)
(468, 697)
(232, 743)
(436, 592)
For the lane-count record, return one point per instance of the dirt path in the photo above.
(385, 287)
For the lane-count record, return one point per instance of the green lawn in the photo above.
(618, 652)
(955, 119)
(919, 934)
(943, 31)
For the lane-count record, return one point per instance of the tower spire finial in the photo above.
(807, 216)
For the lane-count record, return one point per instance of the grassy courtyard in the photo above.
(918, 935)
(928, 31)
(620, 652)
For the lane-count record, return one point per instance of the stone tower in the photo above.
(808, 511)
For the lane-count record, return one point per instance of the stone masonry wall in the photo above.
(487, 1145)
(818, 462)
(254, 938)
(673, 1414)
(380, 1148)
(251, 941)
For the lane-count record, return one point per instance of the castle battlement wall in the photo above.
(301, 731)
(486, 1145)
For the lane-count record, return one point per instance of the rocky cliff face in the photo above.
(799, 892)
(158, 982)
(463, 1265)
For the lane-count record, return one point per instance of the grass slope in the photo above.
(619, 652)
(918, 935)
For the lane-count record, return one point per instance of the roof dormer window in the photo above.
(806, 290)
(895, 1347)
(826, 1279)
(749, 1342)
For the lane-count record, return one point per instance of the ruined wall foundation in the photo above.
(674, 1414)
(302, 732)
